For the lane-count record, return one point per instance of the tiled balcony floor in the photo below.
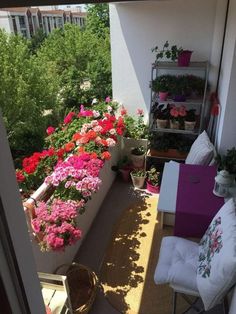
(93, 249)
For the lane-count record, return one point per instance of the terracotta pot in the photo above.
(189, 125)
(170, 154)
(174, 125)
(153, 189)
(138, 182)
(184, 58)
(163, 96)
(161, 124)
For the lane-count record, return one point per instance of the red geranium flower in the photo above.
(106, 155)
(19, 176)
(69, 147)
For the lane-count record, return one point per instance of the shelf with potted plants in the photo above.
(169, 146)
(169, 118)
(180, 87)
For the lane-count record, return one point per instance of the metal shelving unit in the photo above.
(195, 68)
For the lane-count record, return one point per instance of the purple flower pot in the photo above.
(179, 98)
(184, 58)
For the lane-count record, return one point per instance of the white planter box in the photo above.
(49, 261)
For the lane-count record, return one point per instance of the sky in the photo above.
(83, 6)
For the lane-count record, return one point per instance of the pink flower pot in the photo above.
(125, 173)
(184, 58)
(153, 189)
(163, 96)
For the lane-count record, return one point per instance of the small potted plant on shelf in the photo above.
(137, 156)
(153, 180)
(161, 85)
(177, 115)
(173, 53)
(190, 120)
(180, 88)
(138, 177)
(124, 167)
(161, 113)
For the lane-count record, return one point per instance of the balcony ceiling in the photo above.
(28, 3)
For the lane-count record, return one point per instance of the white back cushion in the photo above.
(216, 272)
(201, 152)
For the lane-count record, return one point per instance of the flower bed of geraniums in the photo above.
(76, 153)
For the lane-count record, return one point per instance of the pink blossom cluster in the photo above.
(57, 222)
(79, 172)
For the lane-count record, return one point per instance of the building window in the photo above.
(13, 19)
(49, 25)
(60, 22)
(35, 23)
(54, 22)
(22, 22)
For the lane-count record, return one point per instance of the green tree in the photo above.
(36, 41)
(25, 94)
(98, 21)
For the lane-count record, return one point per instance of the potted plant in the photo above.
(161, 85)
(180, 88)
(135, 133)
(177, 115)
(167, 52)
(124, 167)
(161, 113)
(173, 53)
(138, 177)
(138, 156)
(153, 180)
(190, 120)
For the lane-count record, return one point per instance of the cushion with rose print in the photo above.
(216, 272)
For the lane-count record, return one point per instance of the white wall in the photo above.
(137, 27)
(227, 87)
(4, 21)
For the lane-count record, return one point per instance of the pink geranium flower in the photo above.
(108, 99)
(50, 130)
(69, 117)
(140, 112)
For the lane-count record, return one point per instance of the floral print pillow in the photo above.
(216, 268)
(210, 244)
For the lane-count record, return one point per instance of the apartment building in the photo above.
(27, 20)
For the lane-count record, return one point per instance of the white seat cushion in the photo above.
(177, 263)
(201, 152)
(216, 272)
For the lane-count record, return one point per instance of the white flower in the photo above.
(111, 142)
(94, 101)
(109, 108)
(96, 114)
(112, 131)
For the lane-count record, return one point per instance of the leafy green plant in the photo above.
(227, 161)
(162, 83)
(161, 111)
(123, 163)
(153, 176)
(139, 150)
(190, 115)
(167, 51)
(135, 127)
(138, 173)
